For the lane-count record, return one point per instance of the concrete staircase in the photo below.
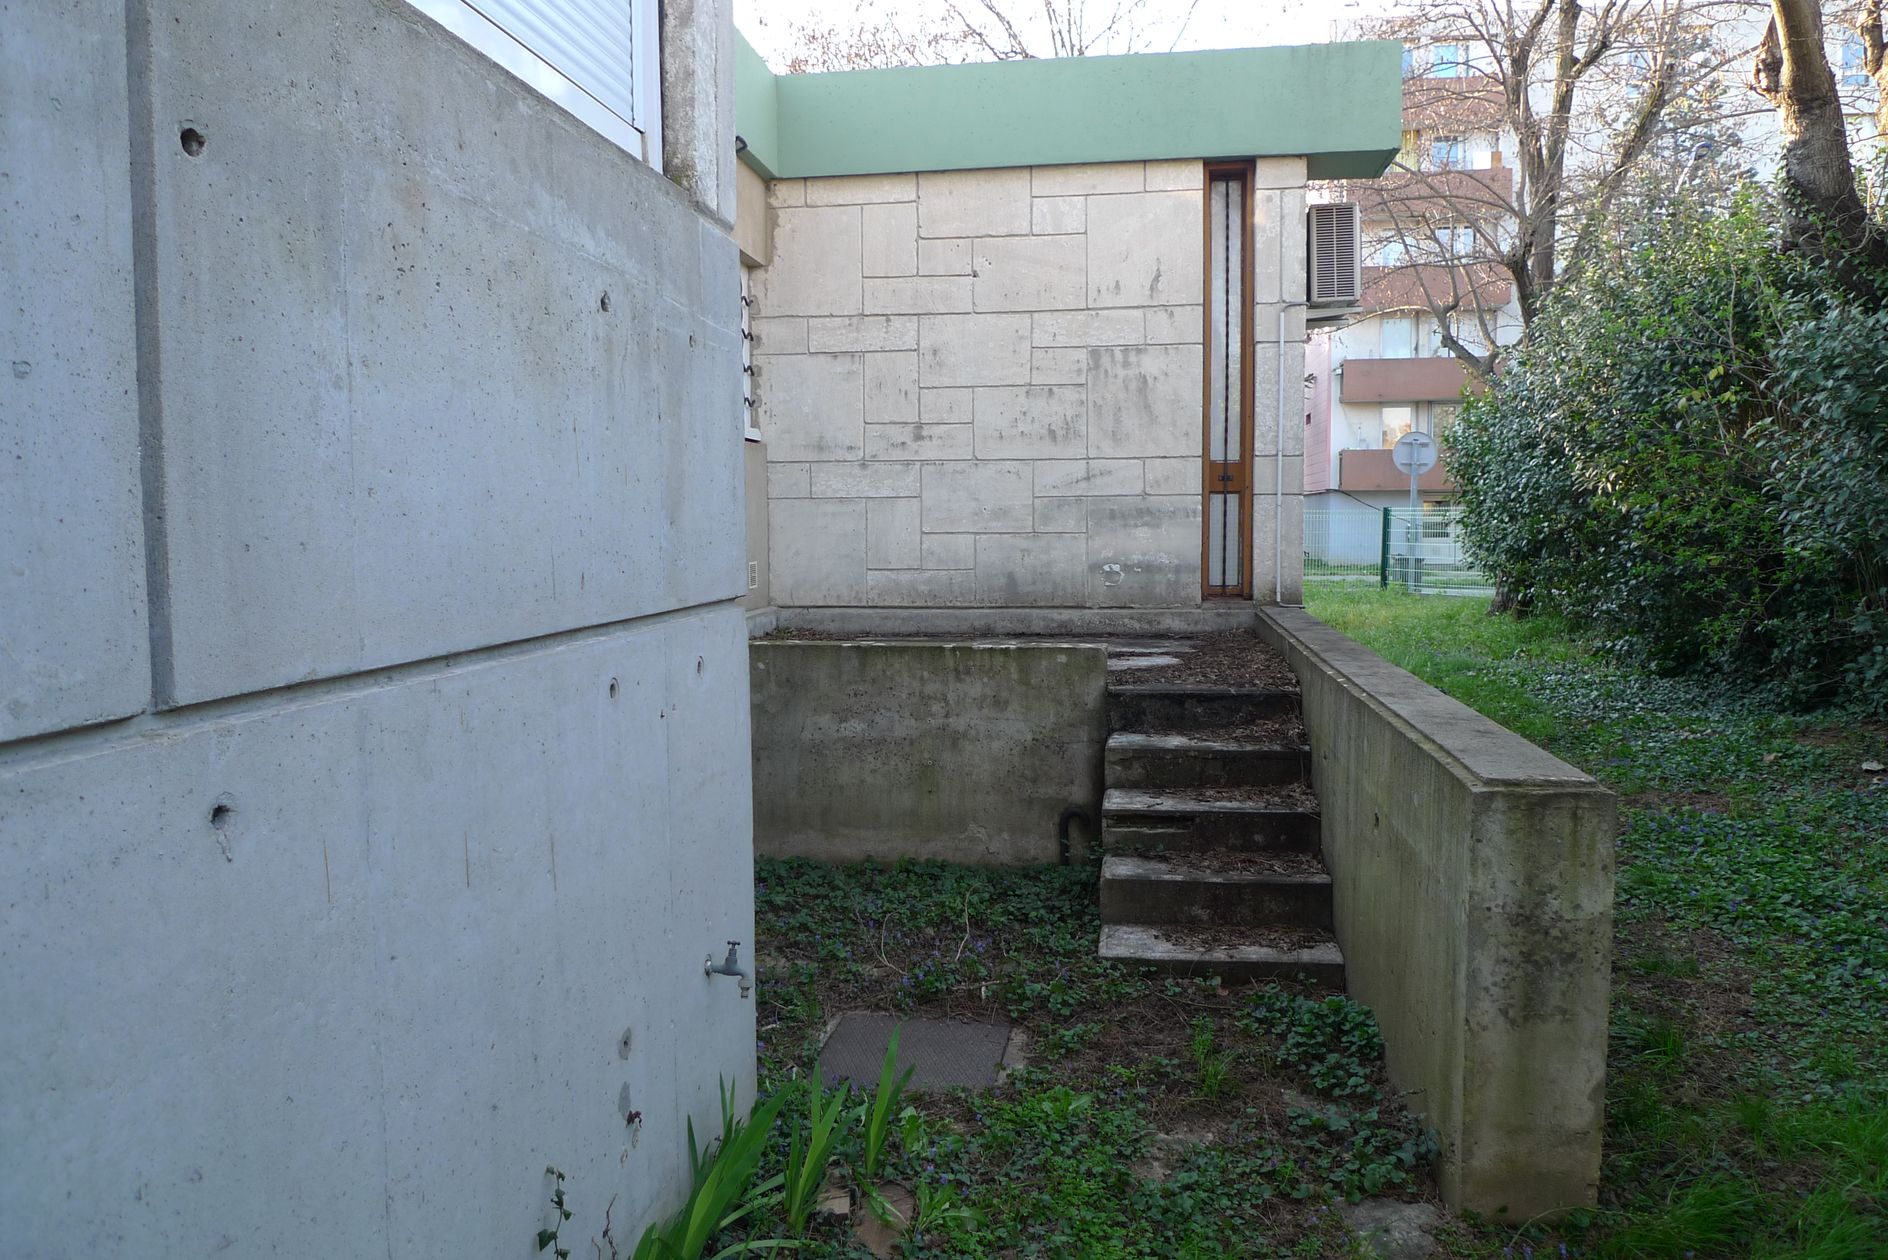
(1210, 836)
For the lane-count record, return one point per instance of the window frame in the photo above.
(640, 136)
(1452, 144)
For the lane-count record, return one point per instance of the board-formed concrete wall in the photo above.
(373, 690)
(959, 752)
(1473, 880)
(982, 388)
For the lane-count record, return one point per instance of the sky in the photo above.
(1214, 23)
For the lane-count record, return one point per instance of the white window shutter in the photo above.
(590, 42)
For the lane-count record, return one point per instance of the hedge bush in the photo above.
(1691, 453)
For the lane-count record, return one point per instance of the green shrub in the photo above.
(1691, 453)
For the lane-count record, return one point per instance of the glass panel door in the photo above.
(1228, 381)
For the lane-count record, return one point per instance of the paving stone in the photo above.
(1085, 178)
(919, 295)
(1031, 273)
(1143, 400)
(891, 239)
(941, 1053)
(848, 333)
(988, 495)
(1051, 216)
(1392, 1230)
(1144, 249)
(891, 534)
(1058, 477)
(974, 203)
(816, 264)
(947, 257)
(1155, 544)
(948, 551)
(891, 388)
(811, 406)
(816, 551)
(1059, 367)
(921, 588)
(1082, 329)
(1174, 325)
(1031, 570)
(918, 441)
(1030, 421)
(852, 190)
(974, 350)
(885, 479)
(1179, 175)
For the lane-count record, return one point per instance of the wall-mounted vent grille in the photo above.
(1334, 254)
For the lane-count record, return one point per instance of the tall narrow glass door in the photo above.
(1228, 454)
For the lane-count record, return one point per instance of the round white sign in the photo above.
(1414, 453)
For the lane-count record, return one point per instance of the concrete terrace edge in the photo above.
(881, 623)
(1340, 106)
(1473, 881)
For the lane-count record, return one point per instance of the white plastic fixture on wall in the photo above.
(597, 59)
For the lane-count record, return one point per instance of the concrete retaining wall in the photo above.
(1473, 878)
(373, 712)
(961, 752)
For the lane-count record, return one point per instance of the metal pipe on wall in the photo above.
(1278, 452)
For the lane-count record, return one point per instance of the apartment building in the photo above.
(1389, 370)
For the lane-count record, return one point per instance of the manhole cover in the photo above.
(941, 1053)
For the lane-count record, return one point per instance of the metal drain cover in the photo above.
(941, 1053)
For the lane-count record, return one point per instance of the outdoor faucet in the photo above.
(730, 966)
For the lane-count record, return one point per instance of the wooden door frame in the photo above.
(1239, 476)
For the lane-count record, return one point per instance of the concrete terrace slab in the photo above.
(942, 1054)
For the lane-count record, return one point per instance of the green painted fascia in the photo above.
(1338, 105)
(756, 109)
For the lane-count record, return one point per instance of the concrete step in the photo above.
(1180, 820)
(1138, 760)
(1193, 706)
(1189, 889)
(1222, 954)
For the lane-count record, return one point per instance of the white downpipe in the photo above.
(1278, 455)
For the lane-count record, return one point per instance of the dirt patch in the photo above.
(1255, 862)
(1695, 978)
(1238, 658)
(1285, 731)
(1862, 733)
(1660, 802)
(1276, 796)
(1265, 936)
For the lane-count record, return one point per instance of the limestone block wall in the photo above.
(984, 388)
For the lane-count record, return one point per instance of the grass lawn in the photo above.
(1747, 1097)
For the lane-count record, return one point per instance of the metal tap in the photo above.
(730, 966)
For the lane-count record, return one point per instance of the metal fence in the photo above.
(1390, 546)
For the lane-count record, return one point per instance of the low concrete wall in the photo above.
(964, 752)
(1473, 876)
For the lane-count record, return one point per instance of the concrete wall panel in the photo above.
(74, 640)
(959, 752)
(359, 1012)
(380, 446)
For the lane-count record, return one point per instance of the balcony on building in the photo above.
(1419, 285)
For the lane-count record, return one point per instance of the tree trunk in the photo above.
(1825, 214)
(1875, 61)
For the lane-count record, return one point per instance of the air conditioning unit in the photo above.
(1334, 255)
